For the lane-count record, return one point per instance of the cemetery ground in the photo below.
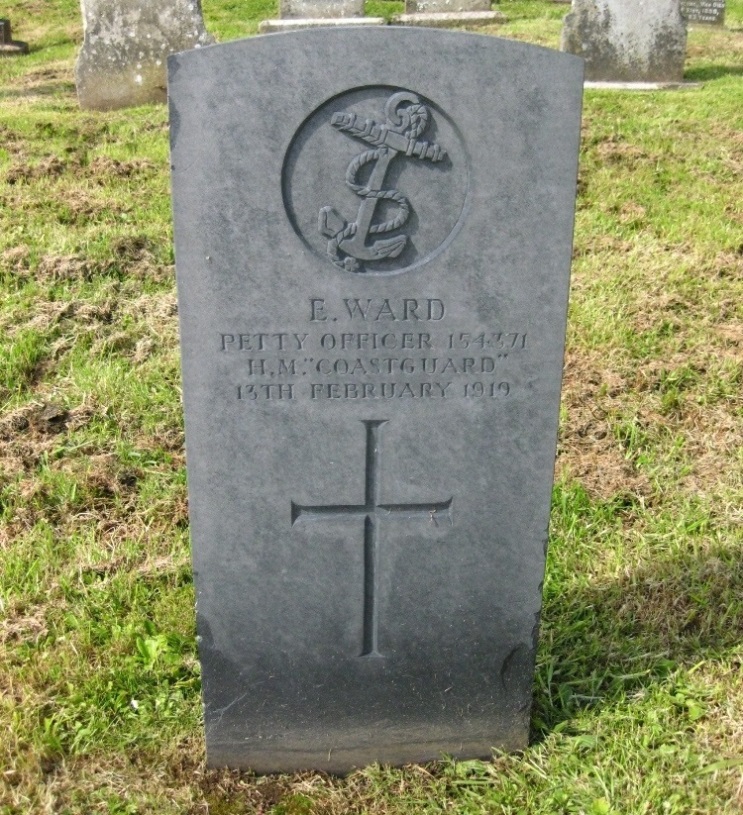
(639, 688)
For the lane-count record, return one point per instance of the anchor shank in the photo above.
(356, 246)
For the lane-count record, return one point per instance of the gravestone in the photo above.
(8, 46)
(707, 12)
(627, 40)
(125, 48)
(448, 13)
(299, 14)
(372, 263)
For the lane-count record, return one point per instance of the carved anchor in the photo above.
(407, 118)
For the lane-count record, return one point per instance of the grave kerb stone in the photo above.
(450, 19)
(448, 13)
(318, 9)
(276, 26)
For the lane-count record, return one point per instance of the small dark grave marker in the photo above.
(298, 14)
(373, 260)
(8, 46)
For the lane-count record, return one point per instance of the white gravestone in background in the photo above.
(627, 40)
(122, 62)
(298, 14)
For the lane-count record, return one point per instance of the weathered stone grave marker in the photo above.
(126, 44)
(707, 12)
(448, 13)
(627, 40)
(372, 261)
(8, 46)
(298, 14)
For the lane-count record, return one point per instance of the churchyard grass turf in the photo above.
(639, 691)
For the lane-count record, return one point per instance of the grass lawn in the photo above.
(639, 690)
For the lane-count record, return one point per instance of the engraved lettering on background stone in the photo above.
(373, 512)
(407, 119)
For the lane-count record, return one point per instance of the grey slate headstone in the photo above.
(627, 40)
(708, 12)
(372, 262)
(126, 44)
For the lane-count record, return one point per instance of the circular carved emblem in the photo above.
(377, 180)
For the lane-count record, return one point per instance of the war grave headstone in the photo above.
(706, 12)
(372, 260)
(627, 41)
(448, 13)
(123, 59)
(299, 14)
(8, 46)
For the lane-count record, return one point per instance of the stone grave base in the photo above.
(273, 26)
(447, 19)
(8, 46)
(13, 49)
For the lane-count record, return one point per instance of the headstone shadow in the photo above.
(47, 89)
(611, 639)
(710, 72)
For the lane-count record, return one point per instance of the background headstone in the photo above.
(447, 13)
(293, 9)
(372, 262)
(627, 40)
(708, 12)
(422, 6)
(8, 46)
(298, 14)
(126, 45)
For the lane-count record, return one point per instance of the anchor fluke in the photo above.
(330, 222)
(389, 248)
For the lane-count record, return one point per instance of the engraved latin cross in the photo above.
(373, 512)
